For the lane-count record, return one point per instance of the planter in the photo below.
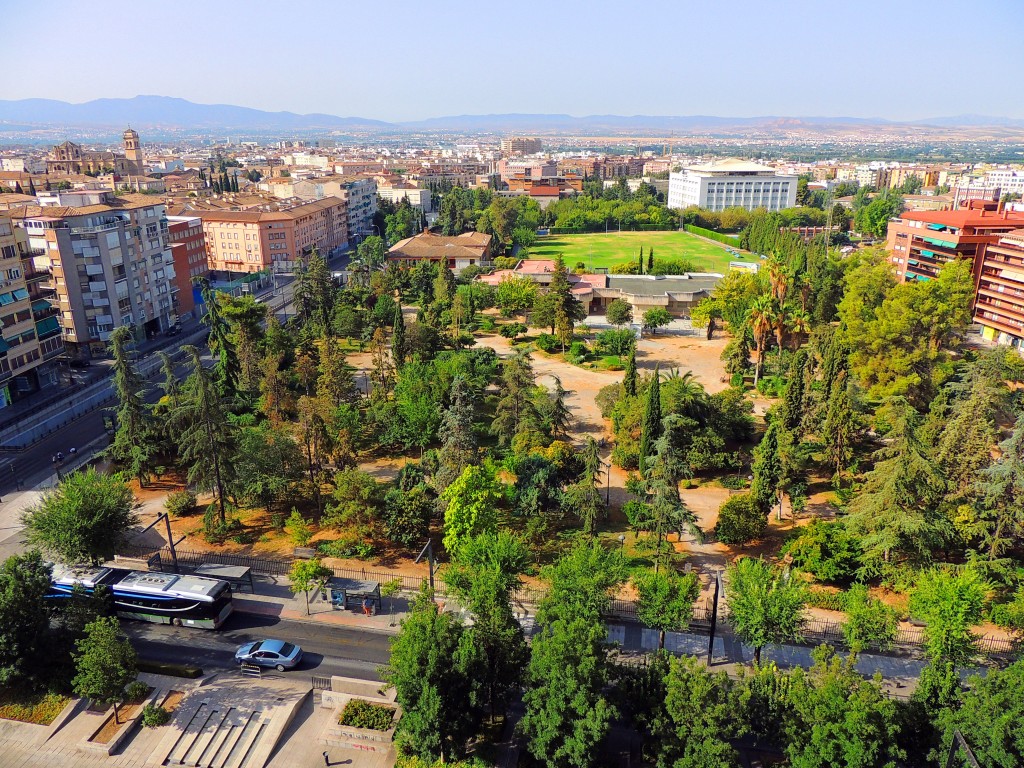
(127, 726)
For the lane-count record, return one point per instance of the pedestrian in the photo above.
(367, 606)
(327, 759)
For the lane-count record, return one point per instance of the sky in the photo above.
(407, 60)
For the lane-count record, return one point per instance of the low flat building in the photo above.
(466, 250)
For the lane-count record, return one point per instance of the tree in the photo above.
(989, 717)
(838, 429)
(558, 415)
(762, 318)
(206, 442)
(434, 672)
(740, 519)
(85, 519)
(24, 620)
(693, 725)
(1000, 488)
(472, 501)
(768, 469)
(398, 351)
(656, 318)
(895, 511)
(226, 369)
(665, 600)
(650, 428)
(306, 575)
(765, 604)
(132, 446)
(105, 663)
(269, 464)
(335, 384)
(619, 312)
(483, 577)
(869, 623)
(513, 330)
(458, 444)
(840, 719)
(793, 407)
(516, 411)
(950, 602)
(583, 498)
(515, 293)
(629, 380)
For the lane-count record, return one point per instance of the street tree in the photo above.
(306, 575)
(870, 623)
(24, 621)
(105, 663)
(951, 603)
(656, 318)
(766, 605)
(471, 505)
(665, 600)
(84, 519)
(619, 312)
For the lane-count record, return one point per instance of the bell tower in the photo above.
(133, 151)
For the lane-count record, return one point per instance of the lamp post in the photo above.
(714, 615)
(622, 541)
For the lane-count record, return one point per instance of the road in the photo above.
(326, 650)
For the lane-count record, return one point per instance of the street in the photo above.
(326, 650)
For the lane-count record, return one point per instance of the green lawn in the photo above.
(604, 250)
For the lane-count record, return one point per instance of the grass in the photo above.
(37, 708)
(604, 250)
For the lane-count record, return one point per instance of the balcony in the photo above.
(105, 227)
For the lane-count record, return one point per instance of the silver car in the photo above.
(270, 653)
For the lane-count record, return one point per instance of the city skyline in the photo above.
(419, 63)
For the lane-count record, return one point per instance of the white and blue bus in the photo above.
(162, 598)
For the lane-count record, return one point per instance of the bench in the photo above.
(304, 553)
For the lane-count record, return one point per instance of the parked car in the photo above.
(78, 363)
(270, 653)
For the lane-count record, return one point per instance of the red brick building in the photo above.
(188, 248)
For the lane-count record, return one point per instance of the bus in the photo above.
(162, 598)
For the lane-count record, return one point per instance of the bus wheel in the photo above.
(176, 622)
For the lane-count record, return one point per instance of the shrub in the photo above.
(672, 267)
(625, 268)
(740, 520)
(152, 716)
(362, 714)
(297, 527)
(830, 601)
(577, 352)
(612, 363)
(620, 341)
(181, 503)
(771, 386)
(606, 398)
(136, 691)
(505, 262)
(626, 457)
(215, 531)
(638, 514)
(347, 546)
(170, 670)
(548, 342)
(734, 482)
(736, 380)
(487, 324)
(825, 550)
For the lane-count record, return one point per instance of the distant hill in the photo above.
(164, 112)
(167, 112)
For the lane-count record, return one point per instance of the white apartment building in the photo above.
(308, 160)
(418, 198)
(731, 183)
(1009, 180)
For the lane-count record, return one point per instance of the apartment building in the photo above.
(188, 249)
(1010, 181)
(520, 145)
(921, 242)
(418, 197)
(527, 169)
(731, 183)
(108, 263)
(999, 302)
(30, 337)
(278, 240)
(359, 193)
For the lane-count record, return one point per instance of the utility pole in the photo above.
(428, 551)
(714, 616)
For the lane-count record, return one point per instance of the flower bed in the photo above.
(36, 708)
(362, 714)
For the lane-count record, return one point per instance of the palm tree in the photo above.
(798, 321)
(778, 278)
(762, 319)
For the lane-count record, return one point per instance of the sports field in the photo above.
(604, 250)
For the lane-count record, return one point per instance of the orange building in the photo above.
(279, 240)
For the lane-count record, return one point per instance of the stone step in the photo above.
(202, 744)
(194, 727)
(246, 739)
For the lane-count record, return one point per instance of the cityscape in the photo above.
(498, 411)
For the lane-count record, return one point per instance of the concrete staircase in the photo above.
(218, 735)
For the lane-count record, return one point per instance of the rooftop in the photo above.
(966, 217)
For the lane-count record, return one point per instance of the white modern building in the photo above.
(731, 183)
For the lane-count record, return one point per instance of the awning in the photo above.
(47, 326)
(936, 226)
(41, 305)
(940, 243)
(929, 254)
(911, 262)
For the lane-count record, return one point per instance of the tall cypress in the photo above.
(629, 380)
(650, 260)
(640, 262)
(793, 408)
(398, 336)
(650, 428)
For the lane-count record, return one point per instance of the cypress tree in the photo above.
(793, 408)
(767, 468)
(31, 187)
(640, 262)
(650, 428)
(629, 380)
(650, 260)
(398, 336)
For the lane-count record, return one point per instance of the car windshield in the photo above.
(256, 647)
(286, 649)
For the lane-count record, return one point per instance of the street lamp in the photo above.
(622, 541)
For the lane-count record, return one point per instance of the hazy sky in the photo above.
(405, 60)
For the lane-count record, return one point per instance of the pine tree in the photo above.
(650, 428)
(444, 286)
(335, 383)
(895, 512)
(398, 336)
(965, 444)
(559, 417)
(630, 379)
(458, 443)
(133, 442)
(516, 410)
(1000, 489)
(32, 187)
(226, 369)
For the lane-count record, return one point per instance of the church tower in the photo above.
(133, 152)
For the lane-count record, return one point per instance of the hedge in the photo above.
(718, 237)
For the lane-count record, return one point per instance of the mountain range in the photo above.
(164, 112)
